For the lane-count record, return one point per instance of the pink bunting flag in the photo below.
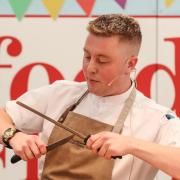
(122, 3)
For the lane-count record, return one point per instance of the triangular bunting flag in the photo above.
(53, 7)
(168, 3)
(86, 5)
(19, 7)
(122, 3)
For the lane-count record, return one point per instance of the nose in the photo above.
(92, 67)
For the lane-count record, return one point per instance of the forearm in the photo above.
(108, 144)
(5, 122)
(161, 157)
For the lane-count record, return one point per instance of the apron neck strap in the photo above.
(72, 107)
(81, 98)
(125, 111)
(122, 117)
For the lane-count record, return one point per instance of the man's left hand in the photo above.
(107, 144)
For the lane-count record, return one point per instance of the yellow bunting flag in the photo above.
(168, 3)
(53, 7)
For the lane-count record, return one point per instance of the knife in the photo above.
(15, 158)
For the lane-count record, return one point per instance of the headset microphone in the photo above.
(111, 82)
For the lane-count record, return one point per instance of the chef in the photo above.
(118, 119)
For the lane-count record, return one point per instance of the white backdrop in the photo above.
(60, 44)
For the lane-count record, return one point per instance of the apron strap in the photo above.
(81, 98)
(122, 117)
(72, 107)
(125, 111)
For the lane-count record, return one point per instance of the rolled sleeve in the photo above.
(25, 120)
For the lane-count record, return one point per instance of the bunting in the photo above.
(53, 7)
(87, 5)
(168, 3)
(122, 3)
(19, 7)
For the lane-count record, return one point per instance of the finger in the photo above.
(96, 146)
(108, 155)
(23, 156)
(41, 146)
(34, 149)
(91, 140)
(20, 152)
(28, 153)
(103, 150)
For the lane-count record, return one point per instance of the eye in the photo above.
(87, 55)
(87, 58)
(102, 60)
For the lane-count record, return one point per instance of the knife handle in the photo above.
(15, 158)
(116, 157)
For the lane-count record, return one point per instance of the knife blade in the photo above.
(59, 142)
(15, 158)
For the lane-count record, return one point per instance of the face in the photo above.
(106, 65)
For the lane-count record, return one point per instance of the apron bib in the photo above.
(72, 161)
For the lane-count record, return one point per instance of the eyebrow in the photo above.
(85, 50)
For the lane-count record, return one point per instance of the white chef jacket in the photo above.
(146, 120)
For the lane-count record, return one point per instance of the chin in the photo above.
(96, 91)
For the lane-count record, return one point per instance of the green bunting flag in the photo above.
(19, 7)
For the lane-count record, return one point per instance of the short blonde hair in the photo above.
(123, 26)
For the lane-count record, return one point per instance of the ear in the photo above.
(132, 62)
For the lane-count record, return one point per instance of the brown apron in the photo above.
(72, 160)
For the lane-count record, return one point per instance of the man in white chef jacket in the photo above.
(145, 134)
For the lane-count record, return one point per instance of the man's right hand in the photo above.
(27, 146)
